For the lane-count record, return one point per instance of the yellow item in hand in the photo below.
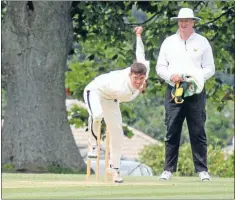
(177, 94)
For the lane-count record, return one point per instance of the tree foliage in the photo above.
(104, 30)
(104, 41)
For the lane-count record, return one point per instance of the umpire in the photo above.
(184, 45)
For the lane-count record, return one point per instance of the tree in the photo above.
(36, 39)
(105, 25)
(103, 30)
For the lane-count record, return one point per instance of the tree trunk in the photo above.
(36, 38)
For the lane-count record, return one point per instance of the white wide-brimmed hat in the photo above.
(186, 13)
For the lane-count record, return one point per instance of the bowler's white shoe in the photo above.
(204, 176)
(115, 173)
(93, 152)
(166, 175)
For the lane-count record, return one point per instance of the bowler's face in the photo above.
(185, 25)
(137, 80)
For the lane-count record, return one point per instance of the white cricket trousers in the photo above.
(100, 108)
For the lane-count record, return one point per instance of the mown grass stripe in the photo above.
(60, 186)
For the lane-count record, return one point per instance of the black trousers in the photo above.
(193, 109)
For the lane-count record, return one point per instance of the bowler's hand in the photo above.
(175, 78)
(138, 30)
(143, 87)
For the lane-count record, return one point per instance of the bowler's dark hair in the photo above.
(138, 68)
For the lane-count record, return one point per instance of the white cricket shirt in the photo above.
(117, 84)
(180, 57)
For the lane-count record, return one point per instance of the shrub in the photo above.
(218, 164)
(56, 168)
(153, 156)
(8, 167)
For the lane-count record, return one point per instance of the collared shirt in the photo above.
(178, 57)
(117, 84)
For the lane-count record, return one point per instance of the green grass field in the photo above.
(68, 186)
